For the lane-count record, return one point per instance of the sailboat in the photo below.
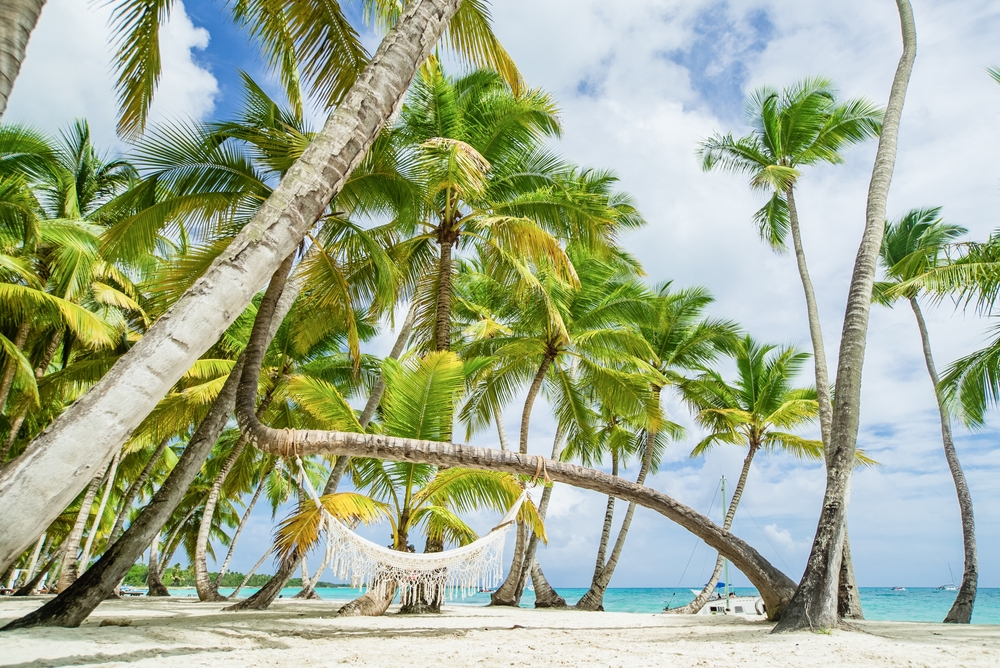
(726, 602)
(949, 587)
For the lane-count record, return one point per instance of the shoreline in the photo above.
(184, 632)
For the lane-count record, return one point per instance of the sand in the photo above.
(183, 632)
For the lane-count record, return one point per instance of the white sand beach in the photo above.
(183, 632)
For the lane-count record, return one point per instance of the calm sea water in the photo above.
(912, 605)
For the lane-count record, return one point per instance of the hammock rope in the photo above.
(428, 576)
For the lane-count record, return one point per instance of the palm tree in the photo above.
(757, 411)
(815, 603)
(682, 341)
(303, 194)
(910, 247)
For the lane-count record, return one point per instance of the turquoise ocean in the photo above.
(912, 605)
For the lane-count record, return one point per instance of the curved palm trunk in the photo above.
(239, 530)
(850, 601)
(695, 606)
(154, 585)
(68, 570)
(17, 21)
(961, 609)
(815, 602)
(207, 591)
(29, 587)
(134, 489)
(30, 571)
(60, 462)
(775, 587)
(545, 594)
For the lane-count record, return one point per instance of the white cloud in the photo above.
(67, 71)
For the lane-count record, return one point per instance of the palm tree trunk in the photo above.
(545, 595)
(695, 606)
(29, 587)
(501, 432)
(850, 601)
(99, 515)
(239, 530)
(442, 321)
(815, 603)
(7, 380)
(68, 570)
(154, 584)
(594, 598)
(509, 593)
(249, 575)
(60, 462)
(203, 582)
(17, 21)
(961, 609)
(30, 571)
(134, 489)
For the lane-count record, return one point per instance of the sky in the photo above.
(639, 84)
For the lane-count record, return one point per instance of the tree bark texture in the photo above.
(17, 21)
(442, 320)
(815, 603)
(60, 462)
(961, 609)
(68, 571)
(154, 585)
(851, 601)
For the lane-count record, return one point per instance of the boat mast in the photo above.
(725, 562)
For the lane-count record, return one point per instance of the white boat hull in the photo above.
(739, 606)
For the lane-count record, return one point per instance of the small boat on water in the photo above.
(951, 586)
(725, 601)
(898, 589)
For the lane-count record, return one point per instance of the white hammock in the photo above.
(429, 576)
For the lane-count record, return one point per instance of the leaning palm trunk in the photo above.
(814, 605)
(961, 609)
(850, 601)
(60, 462)
(68, 570)
(17, 21)
(239, 530)
(134, 489)
(246, 578)
(774, 586)
(695, 606)
(7, 378)
(154, 585)
(270, 591)
(207, 591)
(99, 515)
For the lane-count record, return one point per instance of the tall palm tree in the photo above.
(17, 22)
(815, 603)
(800, 126)
(758, 411)
(910, 247)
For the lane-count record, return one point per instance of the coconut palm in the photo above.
(815, 603)
(911, 247)
(800, 126)
(682, 341)
(757, 411)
